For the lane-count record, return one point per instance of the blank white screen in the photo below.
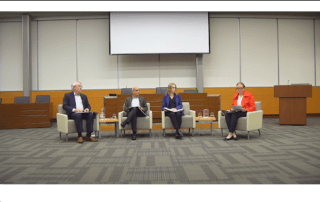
(159, 32)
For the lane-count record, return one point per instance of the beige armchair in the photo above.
(188, 120)
(142, 122)
(253, 121)
(65, 125)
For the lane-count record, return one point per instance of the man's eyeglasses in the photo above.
(239, 88)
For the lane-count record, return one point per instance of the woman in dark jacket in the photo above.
(173, 101)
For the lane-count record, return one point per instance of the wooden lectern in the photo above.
(293, 103)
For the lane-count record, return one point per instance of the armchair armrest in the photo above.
(219, 118)
(62, 122)
(163, 120)
(150, 116)
(96, 126)
(120, 115)
(193, 114)
(254, 120)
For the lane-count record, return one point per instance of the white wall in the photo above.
(96, 69)
(296, 51)
(57, 54)
(11, 68)
(221, 67)
(245, 48)
(138, 70)
(179, 69)
(259, 61)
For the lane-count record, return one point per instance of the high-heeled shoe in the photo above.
(235, 138)
(228, 138)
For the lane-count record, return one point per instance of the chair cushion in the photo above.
(186, 122)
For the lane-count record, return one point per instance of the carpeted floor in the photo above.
(281, 155)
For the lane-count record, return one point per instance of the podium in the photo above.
(293, 103)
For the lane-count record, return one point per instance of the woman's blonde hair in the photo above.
(170, 87)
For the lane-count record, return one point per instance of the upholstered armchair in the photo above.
(188, 120)
(67, 126)
(142, 122)
(253, 120)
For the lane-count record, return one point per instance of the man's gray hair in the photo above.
(134, 88)
(74, 84)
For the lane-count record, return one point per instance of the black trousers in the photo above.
(176, 119)
(232, 119)
(78, 120)
(132, 118)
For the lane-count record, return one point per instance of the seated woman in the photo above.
(246, 100)
(172, 101)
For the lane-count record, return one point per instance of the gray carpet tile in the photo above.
(283, 154)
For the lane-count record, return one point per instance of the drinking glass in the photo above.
(200, 115)
(102, 114)
(212, 114)
(114, 116)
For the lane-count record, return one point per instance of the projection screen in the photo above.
(159, 32)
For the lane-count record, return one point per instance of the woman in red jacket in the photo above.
(246, 100)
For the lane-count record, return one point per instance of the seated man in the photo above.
(74, 103)
(131, 108)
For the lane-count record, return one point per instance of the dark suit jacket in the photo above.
(69, 102)
(128, 102)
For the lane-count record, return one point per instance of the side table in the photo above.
(203, 120)
(109, 121)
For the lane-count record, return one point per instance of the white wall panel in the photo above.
(57, 54)
(11, 58)
(34, 55)
(179, 69)
(221, 66)
(317, 43)
(296, 51)
(259, 61)
(138, 70)
(97, 69)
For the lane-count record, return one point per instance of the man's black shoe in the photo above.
(123, 124)
(134, 137)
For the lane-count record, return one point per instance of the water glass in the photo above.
(114, 116)
(212, 114)
(200, 115)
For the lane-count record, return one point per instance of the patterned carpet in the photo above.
(281, 155)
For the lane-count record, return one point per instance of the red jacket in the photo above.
(247, 101)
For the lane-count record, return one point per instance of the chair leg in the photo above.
(66, 137)
(150, 132)
(259, 132)
(221, 132)
(189, 130)
(248, 135)
(164, 132)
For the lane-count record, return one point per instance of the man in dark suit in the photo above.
(75, 104)
(130, 109)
